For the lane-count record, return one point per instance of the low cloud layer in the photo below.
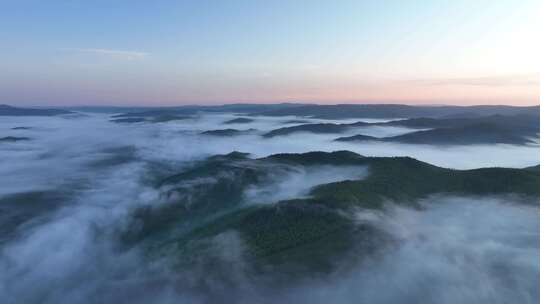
(456, 250)
(467, 250)
(297, 183)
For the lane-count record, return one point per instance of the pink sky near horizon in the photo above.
(434, 52)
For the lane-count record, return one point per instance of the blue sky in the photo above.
(207, 52)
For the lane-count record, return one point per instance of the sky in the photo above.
(119, 52)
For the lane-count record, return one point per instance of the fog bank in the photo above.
(69, 193)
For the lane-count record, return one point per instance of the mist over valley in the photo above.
(93, 209)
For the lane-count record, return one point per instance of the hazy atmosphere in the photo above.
(214, 152)
(191, 52)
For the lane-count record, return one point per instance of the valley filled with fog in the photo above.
(97, 209)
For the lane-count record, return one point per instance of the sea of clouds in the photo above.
(66, 193)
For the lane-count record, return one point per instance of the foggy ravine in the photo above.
(68, 193)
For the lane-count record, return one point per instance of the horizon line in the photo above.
(300, 103)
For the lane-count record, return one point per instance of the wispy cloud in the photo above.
(121, 54)
(488, 81)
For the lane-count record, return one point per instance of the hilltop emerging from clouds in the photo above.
(284, 203)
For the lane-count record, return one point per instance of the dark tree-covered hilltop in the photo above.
(305, 233)
(317, 128)
(239, 120)
(228, 132)
(517, 129)
(476, 133)
(13, 139)
(150, 117)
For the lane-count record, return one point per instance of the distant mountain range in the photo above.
(508, 129)
(186, 110)
(398, 111)
(330, 111)
(448, 125)
(479, 133)
(6, 110)
(306, 110)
